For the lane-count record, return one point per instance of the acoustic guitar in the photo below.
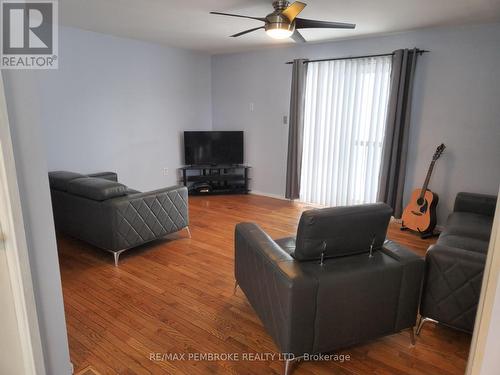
(420, 214)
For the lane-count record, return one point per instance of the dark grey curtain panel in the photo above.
(395, 149)
(296, 129)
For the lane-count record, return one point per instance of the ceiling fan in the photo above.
(284, 23)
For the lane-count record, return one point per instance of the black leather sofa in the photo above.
(455, 264)
(337, 284)
(97, 209)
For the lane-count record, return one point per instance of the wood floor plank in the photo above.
(176, 296)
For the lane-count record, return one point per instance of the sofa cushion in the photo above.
(59, 180)
(341, 231)
(462, 242)
(98, 189)
(112, 176)
(469, 225)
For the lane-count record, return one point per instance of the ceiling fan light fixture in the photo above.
(279, 33)
(283, 22)
(279, 30)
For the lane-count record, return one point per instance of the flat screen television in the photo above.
(213, 147)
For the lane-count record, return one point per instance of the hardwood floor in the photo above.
(176, 296)
(88, 371)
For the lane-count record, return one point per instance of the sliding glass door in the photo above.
(345, 113)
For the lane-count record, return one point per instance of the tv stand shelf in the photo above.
(218, 179)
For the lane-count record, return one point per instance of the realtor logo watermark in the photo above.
(29, 34)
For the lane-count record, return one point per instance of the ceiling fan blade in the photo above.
(246, 32)
(301, 23)
(293, 10)
(238, 15)
(297, 37)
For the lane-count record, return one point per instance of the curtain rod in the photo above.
(419, 51)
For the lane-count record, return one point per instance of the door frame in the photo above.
(16, 250)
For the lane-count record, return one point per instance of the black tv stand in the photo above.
(216, 179)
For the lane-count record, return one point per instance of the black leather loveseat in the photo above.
(455, 264)
(97, 209)
(337, 284)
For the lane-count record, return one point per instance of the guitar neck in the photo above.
(427, 179)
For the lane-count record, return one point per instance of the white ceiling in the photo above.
(188, 24)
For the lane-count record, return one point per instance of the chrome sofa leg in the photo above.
(116, 255)
(421, 323)
(289, 364)
(412, 336)
(189, 232)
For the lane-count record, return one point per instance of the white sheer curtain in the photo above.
(345, 114)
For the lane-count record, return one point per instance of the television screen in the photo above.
(213, 147)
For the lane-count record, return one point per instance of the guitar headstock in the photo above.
(439, 151)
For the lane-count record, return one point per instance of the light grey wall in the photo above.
(456, 101)
(121, 105)
(114, 104)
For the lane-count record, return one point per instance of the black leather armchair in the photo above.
(455, 264)
(338, 283)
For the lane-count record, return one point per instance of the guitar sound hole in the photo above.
(420, 201)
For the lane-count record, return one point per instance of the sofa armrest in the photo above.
(250, 233)
(452, 285)
(411, 283)
(283, 296)
(142, 217)
(475, 203)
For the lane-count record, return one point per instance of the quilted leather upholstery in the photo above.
(452, 286)
(455, 265)
(140, 218)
